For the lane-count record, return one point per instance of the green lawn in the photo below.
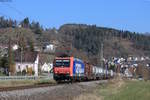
(126, 90)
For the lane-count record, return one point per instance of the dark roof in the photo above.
(46, 58)
(26, 56)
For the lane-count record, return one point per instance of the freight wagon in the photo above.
(74, 69)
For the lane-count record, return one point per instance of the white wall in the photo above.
(46, 67)
(23, 66)
(36, 66)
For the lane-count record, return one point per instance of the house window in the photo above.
(27, 67)
(19, 67)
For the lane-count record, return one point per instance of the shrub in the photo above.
(24, 72)
(29, 71)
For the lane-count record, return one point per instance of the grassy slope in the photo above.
(126, 90)
(119, 90)
(136, 90)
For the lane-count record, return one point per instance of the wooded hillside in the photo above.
(84, 39)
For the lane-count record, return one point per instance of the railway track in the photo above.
(61, 91)
(3, 89)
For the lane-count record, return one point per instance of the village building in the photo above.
(3, 50)
(46, 62)
(25, 61)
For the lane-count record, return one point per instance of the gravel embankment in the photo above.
(59, 92)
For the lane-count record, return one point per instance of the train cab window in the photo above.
(58, 63)
(62, 63)
(66, 63)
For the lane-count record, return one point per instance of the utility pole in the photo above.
(9, 57)
(71, 47)
(21, 58)
(101, 56)
(21, 50)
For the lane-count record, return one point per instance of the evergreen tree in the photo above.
(35, 26)
(25, 23)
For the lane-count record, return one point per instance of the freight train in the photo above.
(74, 69)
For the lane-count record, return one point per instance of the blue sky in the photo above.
(132, 15)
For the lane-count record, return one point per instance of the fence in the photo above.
(25, 77)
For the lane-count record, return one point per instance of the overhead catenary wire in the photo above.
(15, 9)
(2, 14)
(18, 11)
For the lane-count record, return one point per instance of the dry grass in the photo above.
(103, 90)
(88, 96)
(112, 87)
(15, 83)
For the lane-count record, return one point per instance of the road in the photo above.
(59, 92)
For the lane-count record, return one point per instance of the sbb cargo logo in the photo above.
(79, 69)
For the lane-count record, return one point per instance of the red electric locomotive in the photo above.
(68, 68)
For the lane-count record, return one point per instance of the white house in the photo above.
(142, 58)
(128, 73)
(46, 67)
(26, 60)
(3, 50)
(49, 48)
(46, 62)
(15, 47)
